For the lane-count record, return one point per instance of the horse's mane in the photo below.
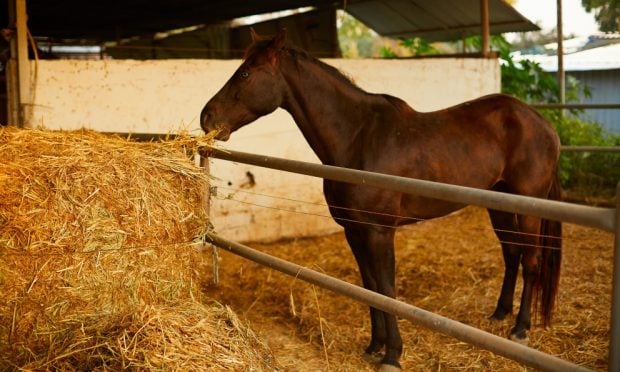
(297, 55)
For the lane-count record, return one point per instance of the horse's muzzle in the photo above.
(205, 120)
(211, 121)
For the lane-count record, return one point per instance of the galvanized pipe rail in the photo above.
(498, 345)
(569, 148)
(577, 106)
(602, 218)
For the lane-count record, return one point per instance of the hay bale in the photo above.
(95, 248)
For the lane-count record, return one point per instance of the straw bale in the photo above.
(175, 336)
(96, 249)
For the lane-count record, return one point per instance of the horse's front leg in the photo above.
(357, 238)
(374, 251)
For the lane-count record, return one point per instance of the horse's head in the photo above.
(256, 89)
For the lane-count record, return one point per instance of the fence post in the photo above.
(614, 342)
(204, 164)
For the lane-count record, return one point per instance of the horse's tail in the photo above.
(549, 275)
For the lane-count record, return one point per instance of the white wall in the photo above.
(165, 96)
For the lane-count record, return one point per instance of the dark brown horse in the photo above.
(494, 142)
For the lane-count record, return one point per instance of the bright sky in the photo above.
(543, 12)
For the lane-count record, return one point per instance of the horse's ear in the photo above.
(279, 41)
(255, 37)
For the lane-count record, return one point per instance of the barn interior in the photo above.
(143, 30)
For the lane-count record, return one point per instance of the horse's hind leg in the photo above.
(518, 235)
(530, 261)
(504, 225)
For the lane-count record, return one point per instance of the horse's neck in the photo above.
(326, 111)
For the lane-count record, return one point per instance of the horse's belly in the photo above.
(415, 208)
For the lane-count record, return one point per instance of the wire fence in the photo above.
(231, 197)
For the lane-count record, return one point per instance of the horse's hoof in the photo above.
(520, 339)
(373, 358)
(389, 368)
(499, 315)
(496, 318)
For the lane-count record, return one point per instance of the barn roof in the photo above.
(437, 20)
(117, 19)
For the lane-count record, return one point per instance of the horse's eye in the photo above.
(244, 74)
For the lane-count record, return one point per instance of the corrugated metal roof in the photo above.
(436, 20)
(601, 58)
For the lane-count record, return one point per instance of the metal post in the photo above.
(614, 342)
(486, 29)
(560, 51)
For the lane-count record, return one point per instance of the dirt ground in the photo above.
(451, 266)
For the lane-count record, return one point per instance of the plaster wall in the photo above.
(162, 96)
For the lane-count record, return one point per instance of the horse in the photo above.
(495, 142)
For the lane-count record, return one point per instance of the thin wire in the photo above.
(368, 212)
(326, 205)
(381, 225)
(310, 214)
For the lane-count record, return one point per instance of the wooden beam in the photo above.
(23, 64)
(12, 79)
(485, 28)
(18, 67)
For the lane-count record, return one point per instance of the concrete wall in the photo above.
(167, 95)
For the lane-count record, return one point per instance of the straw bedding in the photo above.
(451, 266)
(97, 266)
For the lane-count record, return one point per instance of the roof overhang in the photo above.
(437, 20)
(119, 19)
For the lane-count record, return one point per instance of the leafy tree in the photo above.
(419, 46)
(606, 13)
(356, 39)
(413, 46)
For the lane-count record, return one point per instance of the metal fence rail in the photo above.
(602, 218)
(577, 106)
(590, 148)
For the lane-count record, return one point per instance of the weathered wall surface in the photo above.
(166, 96)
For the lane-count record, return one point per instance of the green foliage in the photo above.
(387, 52)
(606, 13)
(418, 46)
(356, 39)
(587, 174)
(411, 46)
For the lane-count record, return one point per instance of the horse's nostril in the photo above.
(204, 118)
